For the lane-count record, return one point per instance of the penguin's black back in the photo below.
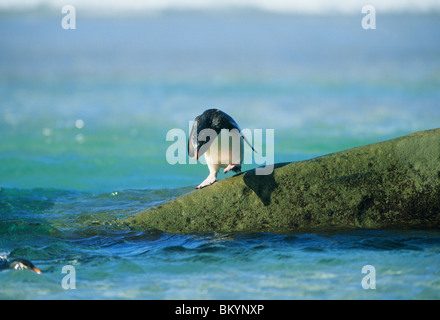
(216, 120)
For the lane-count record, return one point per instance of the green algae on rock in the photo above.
(391, 184)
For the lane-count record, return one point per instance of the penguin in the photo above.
(19, 264)
(205, 138)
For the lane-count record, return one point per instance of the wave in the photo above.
(284, 6)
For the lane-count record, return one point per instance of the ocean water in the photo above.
(84, 116)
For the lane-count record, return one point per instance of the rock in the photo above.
(392, 184)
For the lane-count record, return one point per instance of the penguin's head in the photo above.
(20, 264)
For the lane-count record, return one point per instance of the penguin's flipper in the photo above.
(234, 124)
(247, 141)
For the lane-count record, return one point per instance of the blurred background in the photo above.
(88, 109)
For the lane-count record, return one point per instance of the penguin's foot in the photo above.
(233, 167)
(208, 181)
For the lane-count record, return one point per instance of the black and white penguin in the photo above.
(205, 138)
(18, 264)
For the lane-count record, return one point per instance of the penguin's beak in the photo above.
(36, 270)
(196, 155)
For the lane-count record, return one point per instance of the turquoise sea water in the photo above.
(84, 115)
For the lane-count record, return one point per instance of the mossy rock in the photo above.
(392, 184)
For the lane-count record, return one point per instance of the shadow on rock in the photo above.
(262, 185)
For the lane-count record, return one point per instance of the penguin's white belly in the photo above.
(218, 156)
